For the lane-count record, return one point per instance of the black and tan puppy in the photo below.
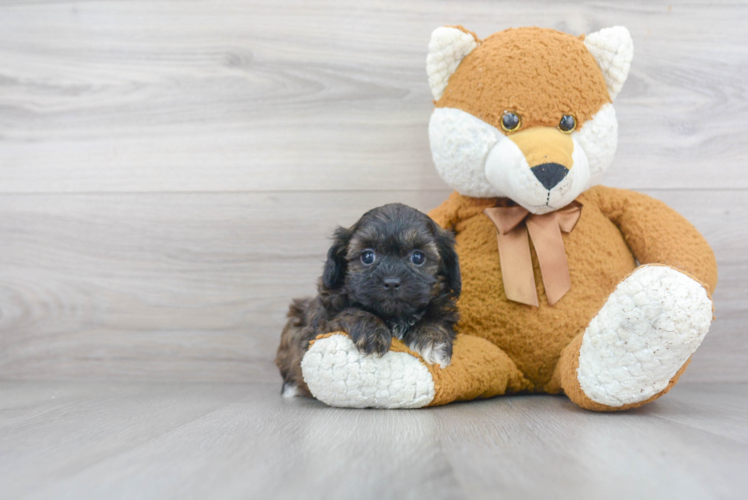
(393, 273)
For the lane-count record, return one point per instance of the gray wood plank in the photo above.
(194, 287)
(719, 409)
(186, 286)
(144, 440)
(38, 421)
(588, 455)
(289, 95)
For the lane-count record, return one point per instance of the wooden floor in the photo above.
(141, 440)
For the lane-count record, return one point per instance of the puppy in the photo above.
(395, 272)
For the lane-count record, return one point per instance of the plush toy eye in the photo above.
(510, 122)
(368, 257)
(567, 124)
(417, 258)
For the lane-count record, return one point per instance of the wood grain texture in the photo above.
(142, 440)
(195, 287)
(169, 170)
(291, 95)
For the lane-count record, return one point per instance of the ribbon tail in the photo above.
(516, 266)
(568, 216)
(549, 247)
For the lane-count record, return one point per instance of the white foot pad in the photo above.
(339, 375)
(645, 332)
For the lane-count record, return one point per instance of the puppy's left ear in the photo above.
(336, 264)
(450, 263)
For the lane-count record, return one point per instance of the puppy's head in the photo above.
(393, 262)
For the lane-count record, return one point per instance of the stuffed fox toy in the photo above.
(568, 287)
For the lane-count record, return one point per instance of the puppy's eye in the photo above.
(510, 122)
(417, 258)
(567, 124)
(368, 257)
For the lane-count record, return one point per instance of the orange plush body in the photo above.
(602, 251)
(641, 276)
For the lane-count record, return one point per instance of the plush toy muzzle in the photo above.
(541, 168)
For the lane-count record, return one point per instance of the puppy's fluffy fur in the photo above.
(393, 273)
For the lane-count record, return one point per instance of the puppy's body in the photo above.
(393, 273)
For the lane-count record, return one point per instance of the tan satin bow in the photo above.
(514, 250)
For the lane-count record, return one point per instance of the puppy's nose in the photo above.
(391, 283)
(550, 174)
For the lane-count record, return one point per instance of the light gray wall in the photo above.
(169, 170)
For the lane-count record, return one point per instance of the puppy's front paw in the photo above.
(440, 354)
(373, 340)
(290, 390)
(433, 342)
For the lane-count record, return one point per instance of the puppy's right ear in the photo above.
(450, 265)
(336, 264)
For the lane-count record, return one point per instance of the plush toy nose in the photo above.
(550, 174)
(548, 152)
(391, 283)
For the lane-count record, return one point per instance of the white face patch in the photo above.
(459, 145)
(478, 160)
(598, 138)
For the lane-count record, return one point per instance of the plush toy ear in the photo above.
(613, 50)
(336, 265)
(447, 48)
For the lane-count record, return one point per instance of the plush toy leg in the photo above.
(339, 375)
(640, 342)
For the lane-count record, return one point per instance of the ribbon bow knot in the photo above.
(512, 224)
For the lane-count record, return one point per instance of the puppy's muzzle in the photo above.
(391, 283)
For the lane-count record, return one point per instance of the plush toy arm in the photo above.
(338, 374)
(657, 234)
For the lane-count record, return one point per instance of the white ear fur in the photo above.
(613, 50)
(447, 48)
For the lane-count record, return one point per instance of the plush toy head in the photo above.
(526, 113)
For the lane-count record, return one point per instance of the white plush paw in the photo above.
(435, 354)
(645, 332)
(339, 375)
